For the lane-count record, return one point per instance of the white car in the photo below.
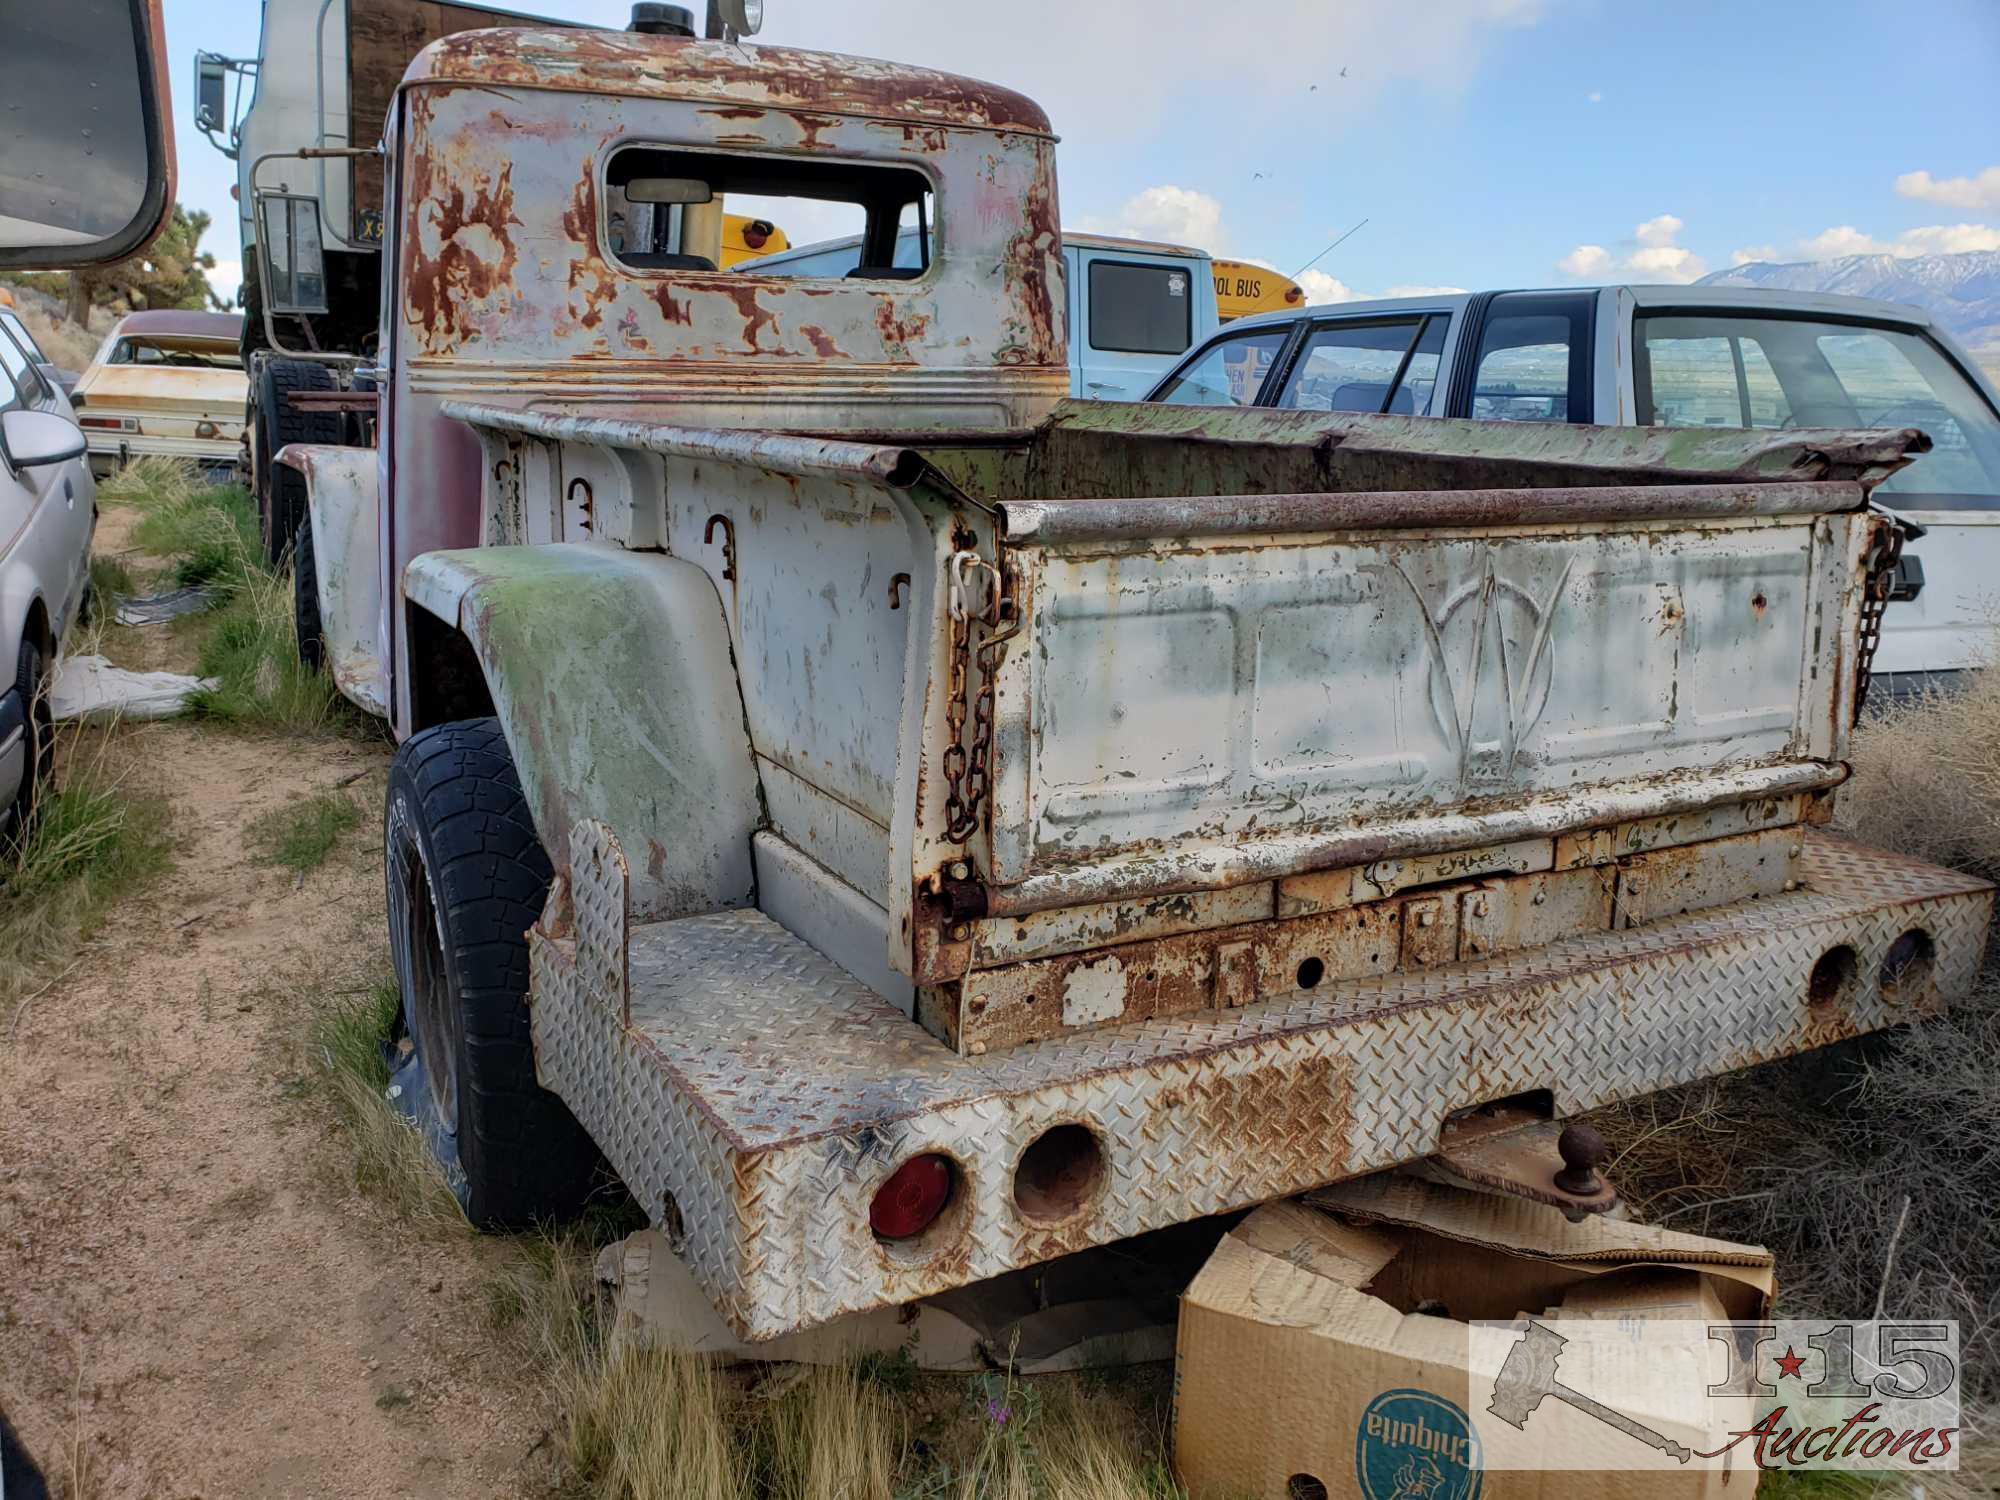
(48, 511)
(170, 384)
(1672, 356)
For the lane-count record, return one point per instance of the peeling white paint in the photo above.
(1094, 993)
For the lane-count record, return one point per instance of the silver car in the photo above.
(48, 510)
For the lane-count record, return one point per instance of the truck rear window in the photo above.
(675, 210)
(1720, 370)
(1140, 309)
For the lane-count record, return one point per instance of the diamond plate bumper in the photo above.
(754, 1097)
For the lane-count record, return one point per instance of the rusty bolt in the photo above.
(1796, 850)
(978, 1003)
(1479, 907)
(1425, 918)
(960, 932)
(960, 870)
(1541, 898)
(1791, 885)
(977, 1049)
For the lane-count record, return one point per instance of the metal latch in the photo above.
(1906, 579)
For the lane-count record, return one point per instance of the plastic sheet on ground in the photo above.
(90, 687)
(154, 608)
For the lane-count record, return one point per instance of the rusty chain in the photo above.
(968, 771)
(1879, 579)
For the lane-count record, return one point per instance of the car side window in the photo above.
(12, 323)
(1229, 372)
(1695, 372)
(21, 373)
(1523, 369)
(1373, 366)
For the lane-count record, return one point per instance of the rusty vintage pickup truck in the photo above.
(913, 825)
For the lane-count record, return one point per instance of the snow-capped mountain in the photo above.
(1960, 291)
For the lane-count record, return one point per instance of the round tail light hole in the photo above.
(1311, 972)
(1304, 1487)
(913, 1197)
(1907, 967)
(1833, 976)
(1058, 1174)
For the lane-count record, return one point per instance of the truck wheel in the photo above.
(305, 599)
(466, 876)
(281, 491)
(31, 681)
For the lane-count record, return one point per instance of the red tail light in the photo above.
(910, 1201)
(756, 233)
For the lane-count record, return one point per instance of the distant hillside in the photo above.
(1962, 291)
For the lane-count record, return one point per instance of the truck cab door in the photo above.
(1132, 316)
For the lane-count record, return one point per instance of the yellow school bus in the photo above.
(1242, 289)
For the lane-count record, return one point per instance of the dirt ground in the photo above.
(194, 1300)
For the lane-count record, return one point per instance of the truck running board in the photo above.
(755, 1097)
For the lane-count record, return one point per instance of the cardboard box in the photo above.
(1327, 1348)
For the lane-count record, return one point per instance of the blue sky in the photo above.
(1487, 142)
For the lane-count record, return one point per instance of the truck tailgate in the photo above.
(1211, 690)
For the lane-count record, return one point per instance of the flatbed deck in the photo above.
(755, 1096)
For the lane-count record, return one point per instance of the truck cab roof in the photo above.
(728, 74)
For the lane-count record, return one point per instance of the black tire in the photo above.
(281, 491)
(466, 876)
(31, 682)
(305, 599)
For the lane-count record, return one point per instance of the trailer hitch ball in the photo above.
(913, 1197)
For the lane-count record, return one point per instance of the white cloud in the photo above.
(1655, 257)
(1979, 194)
(225, 276)
(1750, 254)
(1944, 239)
(1842, 239)
(1585, 260)
(1320, 287)
(1658, 232)
(1595, 96)
(1180, 214)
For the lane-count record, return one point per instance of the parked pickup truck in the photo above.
(915, 825)
(1673, 356)
(1136, 305)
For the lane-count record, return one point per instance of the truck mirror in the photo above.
(290, 260)
(88, 174)
(683, 190)
(211, 93)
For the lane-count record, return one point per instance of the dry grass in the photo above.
(1927, 777)
(1871, 1169)
(93, 837)
(392, 1164)
(641, 1422)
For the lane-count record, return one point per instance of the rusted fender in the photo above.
(611, 675)
(1256, 450)
(341, 488)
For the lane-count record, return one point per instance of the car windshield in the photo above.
(1718, 370)
(183, 352)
